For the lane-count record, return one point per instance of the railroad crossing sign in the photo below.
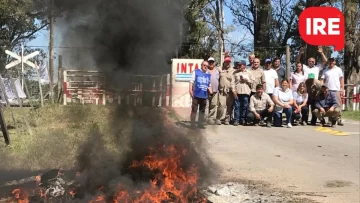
(20, 59)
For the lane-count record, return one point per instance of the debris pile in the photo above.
(232, 192)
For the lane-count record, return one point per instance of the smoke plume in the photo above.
(125, 37)
(122, 36)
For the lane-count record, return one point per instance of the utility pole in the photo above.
(22, 67)
(221, 30)
(51, 51)
(288, 64)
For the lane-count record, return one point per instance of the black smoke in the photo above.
(123, 36)
(127, 37)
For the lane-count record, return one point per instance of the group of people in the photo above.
(248, 94)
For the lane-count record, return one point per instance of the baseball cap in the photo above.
(311, 76)
(227, 59)
(267, 60)
(242, 62)
(211, 59)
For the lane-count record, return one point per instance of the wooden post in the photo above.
(60, 80)
(161, 91)
(51, 50)
(288, 65)
(168, 90)
(28, 93)
(135, 93)
(65, 87)
(103, 97)
(141, 93)
(40, 88)
(153, 92)
(2, 86)
(4, 127)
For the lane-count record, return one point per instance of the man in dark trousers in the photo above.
(199, 90)
(326, 104)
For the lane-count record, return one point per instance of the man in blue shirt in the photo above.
(326, 106)
(199, 89)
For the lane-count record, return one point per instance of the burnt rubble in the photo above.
(58, 186)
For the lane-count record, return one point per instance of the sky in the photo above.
(42, 39)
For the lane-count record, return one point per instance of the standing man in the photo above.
(199, 90)
(226, 98)
(333, 79)
(281, 72)
(237, 65)
(251, 61)
(311, 67)
(258, 74)
(212, 101)
(241, 85)
(312, 72)
(271, 78)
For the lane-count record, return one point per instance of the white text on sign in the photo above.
(315, 26)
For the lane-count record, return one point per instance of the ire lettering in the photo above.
(316, 26)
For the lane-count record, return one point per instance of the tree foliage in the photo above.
(351, 11)
(20, 20)
(202, 29)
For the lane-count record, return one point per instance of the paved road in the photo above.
(306, 159)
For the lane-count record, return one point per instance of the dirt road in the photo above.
(320, 163)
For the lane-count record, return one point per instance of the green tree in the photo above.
(351, 52)
(199, 39)
(255, 16)
(20, 20)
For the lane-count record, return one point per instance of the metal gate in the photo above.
(89, 87)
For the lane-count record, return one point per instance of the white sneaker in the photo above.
(289, 125)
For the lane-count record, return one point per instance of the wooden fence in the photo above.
(90, 87)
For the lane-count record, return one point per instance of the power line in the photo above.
(185, 45)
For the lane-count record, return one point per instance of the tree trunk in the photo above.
(262, 28)
(350, 10)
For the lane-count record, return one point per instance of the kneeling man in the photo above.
(327, 106)
(261, 106)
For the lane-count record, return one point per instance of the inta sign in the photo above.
(323, 26)
(182, 68)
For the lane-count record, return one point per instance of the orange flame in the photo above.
(21, 196)
(170, 180)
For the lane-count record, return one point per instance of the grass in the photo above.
(57, 133)
(352, 115)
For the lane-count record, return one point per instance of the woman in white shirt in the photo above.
(297, 77)
(283, 98)
(300, 108)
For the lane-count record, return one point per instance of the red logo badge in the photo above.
(323, 26)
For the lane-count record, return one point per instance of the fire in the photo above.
(20, 196)
(168, 181)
